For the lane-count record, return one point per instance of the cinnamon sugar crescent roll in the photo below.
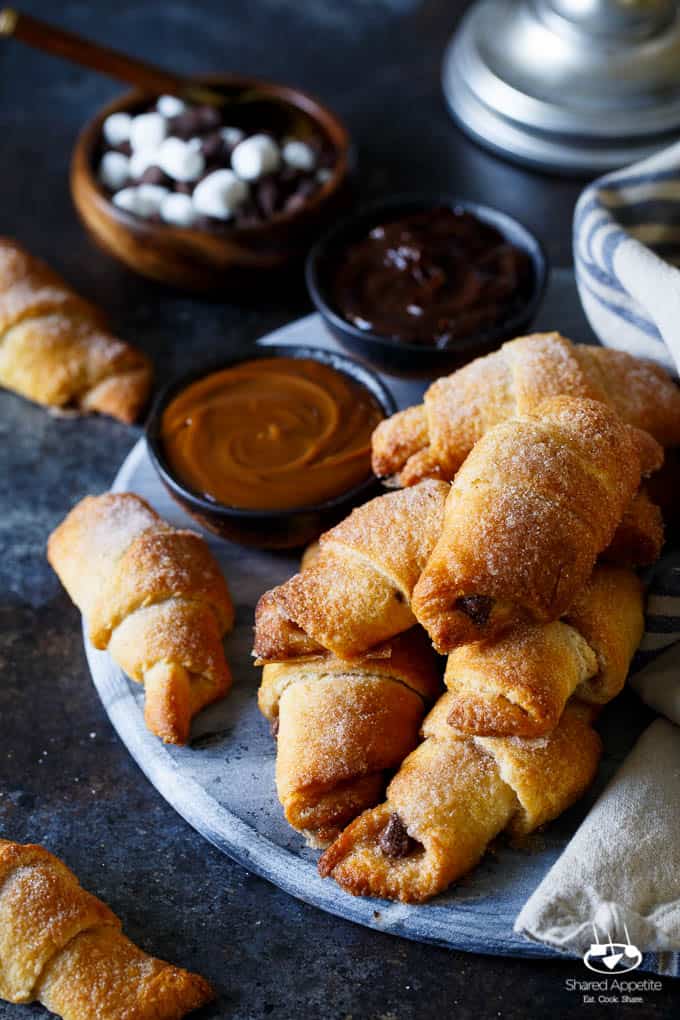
(431, 440)
(536, 502)
(519, 684)
(55, 348)
(61, 946)
(452, 796)
(155, 597)
(355, 593)
(340, 726)
(639, 538)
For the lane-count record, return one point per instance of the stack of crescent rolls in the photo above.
(509, 550)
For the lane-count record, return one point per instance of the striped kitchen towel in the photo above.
(621, 870)
(626, 238)
(662, 623)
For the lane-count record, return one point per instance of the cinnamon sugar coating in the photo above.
(155, 597)
(455, 794)
(341, 726)
(61, 946)
(519, 683)
(536, 502)
(356, 592)
(55, 348)
(432, 440)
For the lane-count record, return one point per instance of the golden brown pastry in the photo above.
(455, 794)
(55, 348)
(432, 440)
(155, 597)
(519, 684)
(340, 726)
(355, 593)
(536, 502)
(639, 538)
(61, 946)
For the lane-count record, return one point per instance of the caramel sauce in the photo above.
(272, 433)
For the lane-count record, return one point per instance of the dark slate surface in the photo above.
(65, 780)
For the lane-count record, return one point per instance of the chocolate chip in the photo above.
(274, 727)
(477, 607)
(209, 117)
(394, 840)
(267, 195)
(154, 175)
(247, 215)
(186, 124)
(303, 190)
(212, 147)
(289, 174)
(295, 202)
(214, 225)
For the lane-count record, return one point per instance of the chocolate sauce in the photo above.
(394, 840)
(431, 278)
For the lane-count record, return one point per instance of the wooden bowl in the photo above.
(200, 260)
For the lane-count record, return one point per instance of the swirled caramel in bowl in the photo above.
(271, 433)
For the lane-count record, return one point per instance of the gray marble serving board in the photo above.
(223, 782)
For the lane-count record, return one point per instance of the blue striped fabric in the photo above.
(662, 626)
(642, 202)
(662, 629)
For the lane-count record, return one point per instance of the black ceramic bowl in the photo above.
(415, 360)
(266, 529)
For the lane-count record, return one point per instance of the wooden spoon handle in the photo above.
(99, 58)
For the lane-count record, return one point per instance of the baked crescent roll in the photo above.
(155, 597)
(536, 502)
(61, 946)
(639, 538)
(340, 726)
(431, 440)
(355, 593)
(519, 684)
(455, 794)
(55, 348)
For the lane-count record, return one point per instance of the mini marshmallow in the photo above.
(298, 155)
(126, 199)
(179, 160)
(114, 170)
(170, 106)
(141, 161)
(255, 156)
(232, 135)
(116, 128)
(178, 210)
(219, 194)
(323, 175)
(147, 131)
(149, 199)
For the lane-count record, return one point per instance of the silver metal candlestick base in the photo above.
(567, 85)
